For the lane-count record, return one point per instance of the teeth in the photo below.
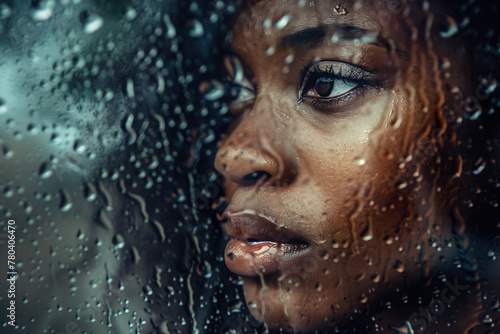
(249, 211)
(263, 250)
(267, 217)
(256, 242)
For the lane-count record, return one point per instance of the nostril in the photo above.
(256, 177)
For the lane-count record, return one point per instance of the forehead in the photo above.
(264, 22)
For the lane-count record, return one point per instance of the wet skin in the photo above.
(330, 209)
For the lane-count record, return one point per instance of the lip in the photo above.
(258, 245)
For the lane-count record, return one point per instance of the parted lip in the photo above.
(252, 227)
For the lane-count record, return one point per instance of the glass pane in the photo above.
(249, 166)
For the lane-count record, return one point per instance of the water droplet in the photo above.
(375, 278)
(118, 241)
(5, 11)
(135, 255)
(159, 230)
(368, 232)
(212, 90)
(449, 28)
(147, 290)
(32, 129)
(157, 274)
(270, 51)
(403, 185)
(363, 299)
(399, 266)
(171, 32)
(196, 29)
(65, 202)
(91, 21)
(266, 23)
(8, 192)
(479, 169)
(45, 170)
(7, 152)
(3, 106)
(487, 320)
(496, 306)
(130, 88)
(282, 22)
(402, 329)
(103, 220)
(339, 10)
(108, 199)
(444, 63)
(130, 130)
(204, 269)
(79, 147)
(80, 235)
(43, 9)
(89, 191)
(130, 14)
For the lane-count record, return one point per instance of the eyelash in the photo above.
(310, 74)
(361, 78)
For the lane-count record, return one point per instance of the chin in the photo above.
(292, 308)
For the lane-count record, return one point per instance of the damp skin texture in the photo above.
(336, 170)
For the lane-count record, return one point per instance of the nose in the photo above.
(255, 153)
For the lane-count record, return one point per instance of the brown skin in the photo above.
(334, 169)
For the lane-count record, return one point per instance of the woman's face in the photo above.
(331, 191)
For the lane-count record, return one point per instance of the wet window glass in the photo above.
(249, 166)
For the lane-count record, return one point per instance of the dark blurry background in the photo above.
(107, 144)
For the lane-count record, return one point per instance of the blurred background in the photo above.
(109, 118)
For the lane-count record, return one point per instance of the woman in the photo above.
(348, 165)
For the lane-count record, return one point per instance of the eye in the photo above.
(328, 83)
(328, 87)
(242, 91)
(241, 88)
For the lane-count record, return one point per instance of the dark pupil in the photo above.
(324, 86)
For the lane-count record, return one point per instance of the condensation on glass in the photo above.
(355, 183)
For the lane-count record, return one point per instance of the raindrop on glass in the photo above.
(282, 22)
(367, 234)
(171, 31)
(45, 171)
(212, 90)
(270, 51)
(196, 29)
(130, 14)
(91, 21)
(5, 11)
(399, 266)
(3, 106)
(65, 203)
(43, 9)
(118, 241)
(449, 28)
(375, 278)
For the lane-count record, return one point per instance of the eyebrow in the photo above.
(314, 35)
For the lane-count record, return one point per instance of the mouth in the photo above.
(259, 246)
